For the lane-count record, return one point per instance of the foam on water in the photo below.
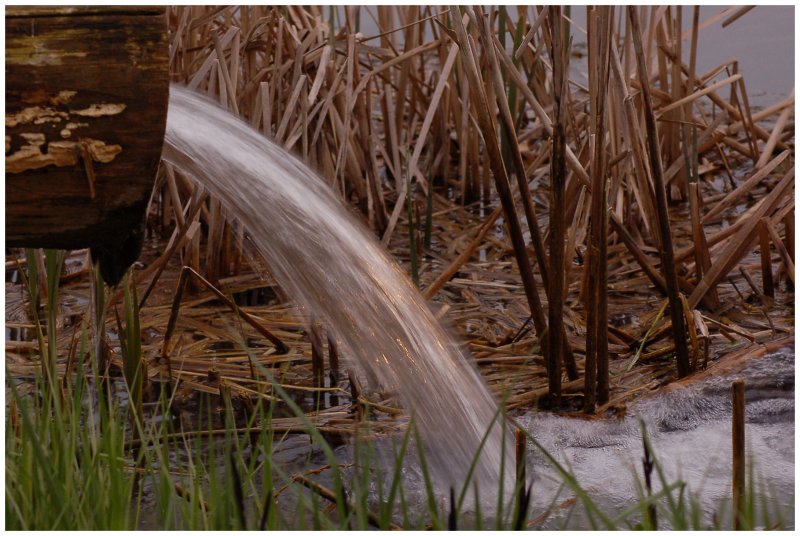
(690, 431)
(338, 272)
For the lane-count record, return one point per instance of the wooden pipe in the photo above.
(86, 105)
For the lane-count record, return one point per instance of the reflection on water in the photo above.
(763, 43)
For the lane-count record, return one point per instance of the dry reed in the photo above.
(432, 115)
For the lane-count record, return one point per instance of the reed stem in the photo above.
(596, 367)
(412, 233)
(133, 361)
(766, 259)
(656, 168)
(333, 361)
(520, 443)
(555, 300)
(489, 130)
(493, 49)
(317, 355)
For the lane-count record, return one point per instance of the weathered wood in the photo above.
(86, 104)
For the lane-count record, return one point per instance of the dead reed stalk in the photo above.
(489, 130)
(433, 111)
(766, 260)
(740, 243)
(667, 254)
(555, 300)
(280, 346)
(596, 367)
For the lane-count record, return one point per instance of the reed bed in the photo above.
(398, 121)
(588, 242)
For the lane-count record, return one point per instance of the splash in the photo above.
(335, 269)
(690, 431)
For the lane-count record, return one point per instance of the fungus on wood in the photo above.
(86, 104)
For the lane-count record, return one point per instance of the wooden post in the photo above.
(738, 451)
(521, 477)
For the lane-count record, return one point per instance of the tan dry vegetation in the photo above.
(456, 118)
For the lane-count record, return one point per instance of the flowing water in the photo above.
(338, 272)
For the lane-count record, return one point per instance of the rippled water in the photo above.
(335, 268)
(690, 430)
